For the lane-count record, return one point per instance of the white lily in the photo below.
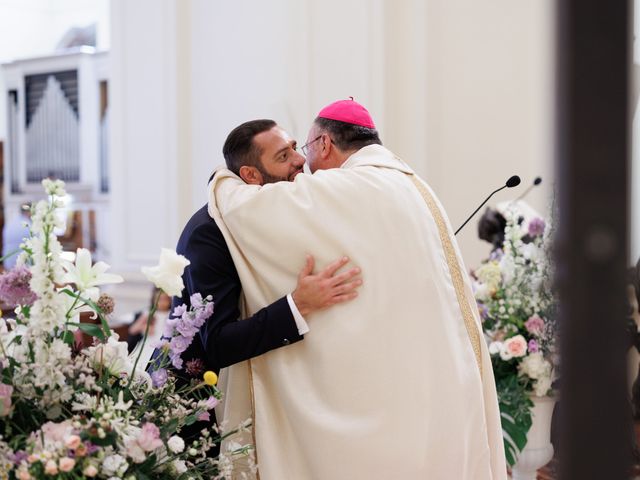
(167, 275)
(86, 276)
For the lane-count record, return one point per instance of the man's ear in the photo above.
(327, 145)
(250, 175)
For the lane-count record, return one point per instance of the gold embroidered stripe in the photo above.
(253, 417)
(454, 269)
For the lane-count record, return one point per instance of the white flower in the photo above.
(114, 465)
(134, 450)
(54, 187)
(495, 347)
(179, 466)
(87, 277)
(114, 355)
(175, 444)
(542, 386)
(167, 275)
(535, 366)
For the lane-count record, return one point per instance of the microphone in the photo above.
(536, 182)
(513, 181)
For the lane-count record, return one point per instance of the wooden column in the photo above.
(592, 161)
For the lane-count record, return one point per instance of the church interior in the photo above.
(129, 103)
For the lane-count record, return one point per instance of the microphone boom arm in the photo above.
(481, 205)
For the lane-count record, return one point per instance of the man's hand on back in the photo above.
(327, 288)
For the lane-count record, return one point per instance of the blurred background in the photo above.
(129, 101)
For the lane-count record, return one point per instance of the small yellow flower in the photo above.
(210, 378)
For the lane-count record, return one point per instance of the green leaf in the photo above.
(68, 338)
(93, 330)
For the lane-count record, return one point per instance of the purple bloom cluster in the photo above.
(184, 325)
(14, 287)
(159, 377)
(536, 227)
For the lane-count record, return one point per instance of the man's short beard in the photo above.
(266, 178)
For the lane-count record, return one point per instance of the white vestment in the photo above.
(396, 384)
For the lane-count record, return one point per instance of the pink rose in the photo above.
(90, 471)
(149, 438)
(67, 464)
(72, 442)
(535, 325)
(516, 346)
(51, 468)
(5, 399)
(24, 475)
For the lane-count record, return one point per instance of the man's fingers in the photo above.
(343, 298)
(308, 267)
(334, 267)
(346, 287)
(345, 276)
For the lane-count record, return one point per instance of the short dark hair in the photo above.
(347, 136)
(239, 149)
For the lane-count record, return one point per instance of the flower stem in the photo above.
(146, 333)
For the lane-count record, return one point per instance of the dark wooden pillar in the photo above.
(592, 161)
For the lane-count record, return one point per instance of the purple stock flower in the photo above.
(179, 344)
(176, 361)
(536, 227)
(159, 377)
(187, 327)
(533, 346)
(484, 310)
(179, 310)
(14, 287)
(19, 456)
(196, 300)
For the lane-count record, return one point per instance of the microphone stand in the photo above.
(481, 205)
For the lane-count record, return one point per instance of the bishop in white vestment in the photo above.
(396, 384)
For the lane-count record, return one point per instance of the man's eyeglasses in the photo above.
(305, 147)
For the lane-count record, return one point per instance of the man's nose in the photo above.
(299, 159)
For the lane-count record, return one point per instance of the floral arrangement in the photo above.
(68, 411)
(516, 303)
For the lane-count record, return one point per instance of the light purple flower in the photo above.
(533, 346)
(484, 310)
(179, 310)
(179, 344)
(176, 361)
(535, 325)
(14, 287)
(19, 456)
(196, 300)
(204, 417)
(159, 377)
(536, 227)
(212, 402)
(187, 327)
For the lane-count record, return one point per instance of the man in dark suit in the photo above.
(223, 339)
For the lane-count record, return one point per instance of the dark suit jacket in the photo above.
(224, 340)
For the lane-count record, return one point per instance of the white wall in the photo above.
(460, 89)
(489, 105)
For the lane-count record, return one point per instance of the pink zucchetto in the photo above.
(348, 111)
